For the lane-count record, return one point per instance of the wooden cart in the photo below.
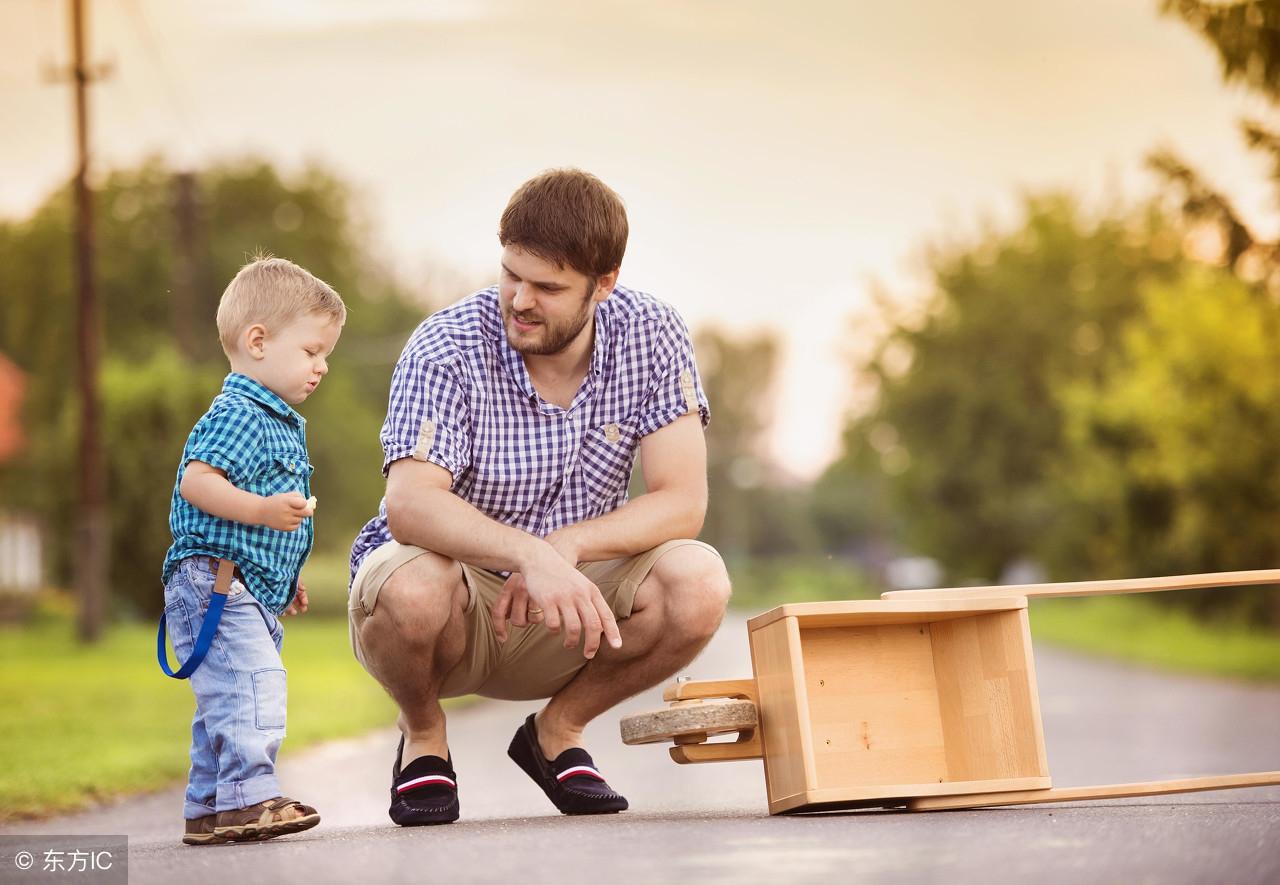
(925, 699)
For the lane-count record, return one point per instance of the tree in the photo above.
(154, 389)
(1247, 39)
(1245, 34)
(1174, 454)
(967, 428)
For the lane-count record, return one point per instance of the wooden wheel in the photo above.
(690, 721)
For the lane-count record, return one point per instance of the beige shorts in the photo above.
(533, 663)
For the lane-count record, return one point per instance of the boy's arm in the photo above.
(207, 488)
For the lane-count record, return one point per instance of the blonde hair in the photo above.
(274, 292)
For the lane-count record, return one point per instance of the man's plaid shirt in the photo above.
(260, 442)
(462, 398)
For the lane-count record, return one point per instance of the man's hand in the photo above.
(300, 602)
(512, 605)
(284, 512)
(514, 600)
(561, 596)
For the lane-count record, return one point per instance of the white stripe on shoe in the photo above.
(428, 779)
(577, 770)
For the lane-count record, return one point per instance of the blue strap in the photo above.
(217, 601)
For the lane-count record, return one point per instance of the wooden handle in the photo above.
(747, 746)
(1109, 791)
(712, 688)
(1099, 588)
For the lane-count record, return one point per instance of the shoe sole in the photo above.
(202, 839)
(255, 833)
(415, 818)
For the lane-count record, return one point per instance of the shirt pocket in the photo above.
(286, 472)
(608, 452)
(178, 625)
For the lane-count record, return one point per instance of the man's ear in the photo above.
(604, 285)
(255, 339)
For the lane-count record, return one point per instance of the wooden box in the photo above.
(865, 702)
(924, 698)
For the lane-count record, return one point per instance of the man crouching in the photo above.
(506, 559)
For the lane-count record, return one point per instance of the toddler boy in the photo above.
(241, 519)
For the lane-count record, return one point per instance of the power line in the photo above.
(190, 128)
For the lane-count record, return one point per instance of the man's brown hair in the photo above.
(570, 217)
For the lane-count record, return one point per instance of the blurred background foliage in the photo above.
(1088, 392)
(168, 243)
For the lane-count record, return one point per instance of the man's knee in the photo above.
(419, 598)
(695, 589)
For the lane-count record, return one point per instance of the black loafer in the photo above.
(571, 782)
(425, 793)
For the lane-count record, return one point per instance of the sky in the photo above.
(779, 161)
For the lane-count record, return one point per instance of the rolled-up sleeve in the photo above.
(428, 417)
(230, 439)
(675, 388)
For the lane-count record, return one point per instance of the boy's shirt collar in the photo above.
(246, 386)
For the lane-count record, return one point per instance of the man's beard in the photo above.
(555, 336)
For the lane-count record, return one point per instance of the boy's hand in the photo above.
(284, 512)
(300, 603)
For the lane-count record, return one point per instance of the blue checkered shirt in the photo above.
(462, 398)
(261, 444)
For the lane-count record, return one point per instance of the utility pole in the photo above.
(187, 276)
(92, 549)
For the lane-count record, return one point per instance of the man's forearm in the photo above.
(439, 521)
(641, 524)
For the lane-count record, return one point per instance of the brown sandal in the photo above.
(200, 831)
(265, 820)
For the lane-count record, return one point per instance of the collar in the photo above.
(514, 362)
(246, 386)
(599, 346)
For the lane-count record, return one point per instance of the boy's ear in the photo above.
(255, 338)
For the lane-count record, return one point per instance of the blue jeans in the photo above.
(240, 692)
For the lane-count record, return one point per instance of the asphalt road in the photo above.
(708, 823)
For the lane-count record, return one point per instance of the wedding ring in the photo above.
(535, 611)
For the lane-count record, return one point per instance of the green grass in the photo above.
(1137, 629)
(83, 724)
